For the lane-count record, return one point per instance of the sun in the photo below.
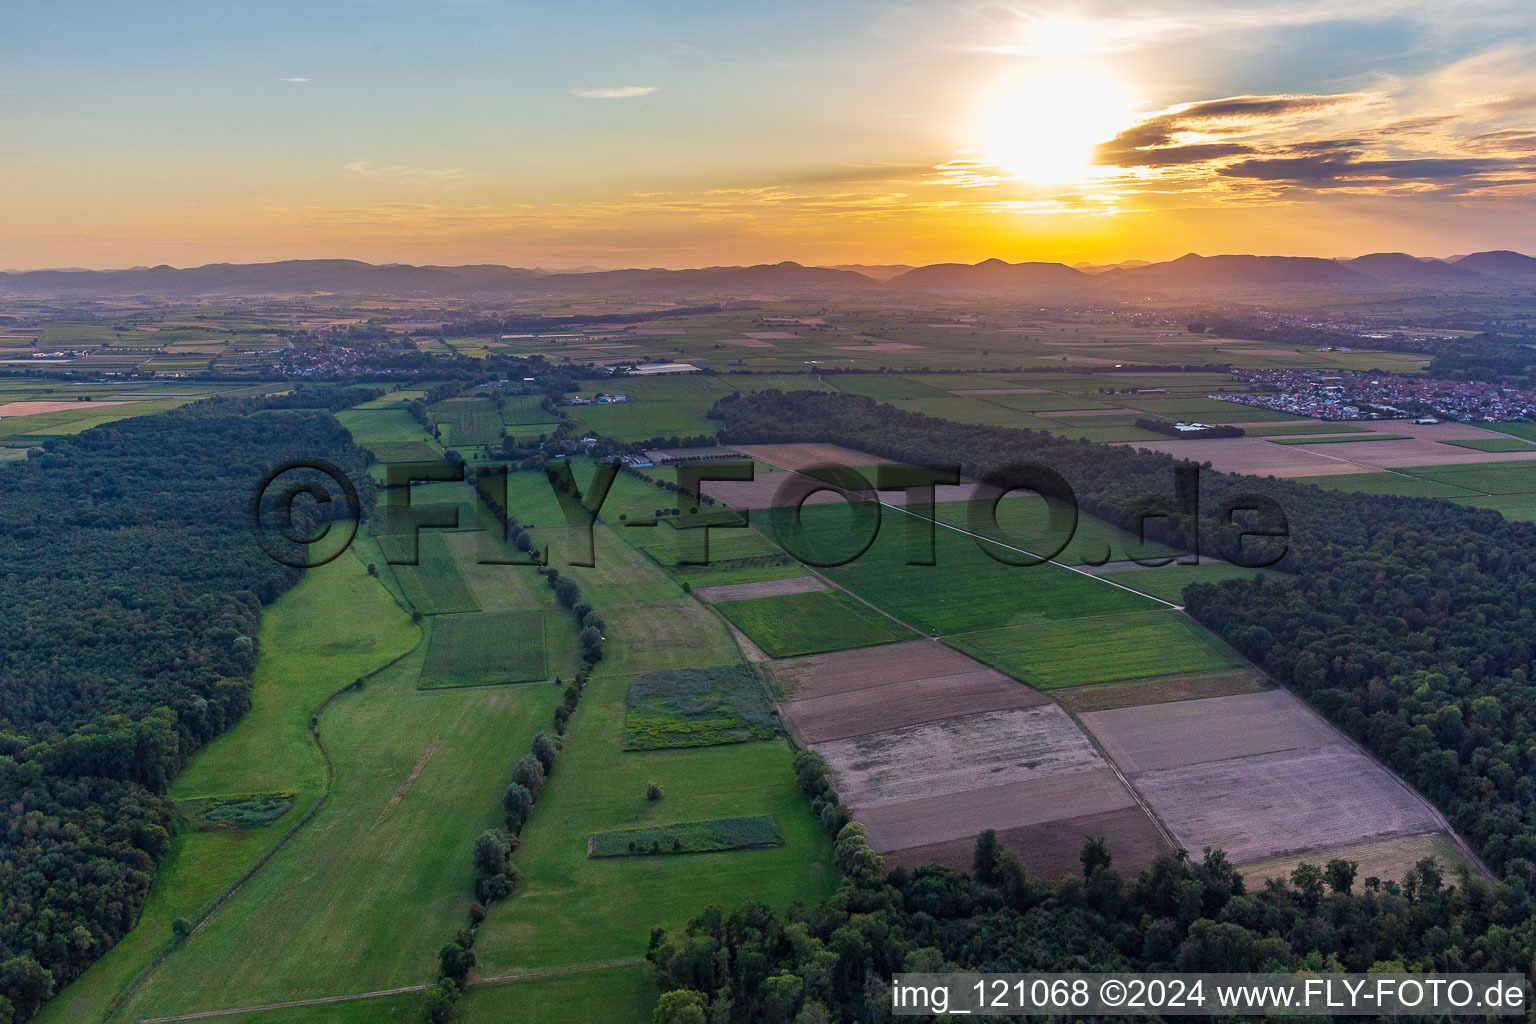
(1041, 127)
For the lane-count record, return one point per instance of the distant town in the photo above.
(1348, 395)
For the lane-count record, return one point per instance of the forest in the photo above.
(833, 962)
(133, 591)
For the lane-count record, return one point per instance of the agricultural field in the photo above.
(697, 707)
(1167, 582)
(1257, 774)
(434, 586)
(788, 625)
(484, 649)
(469, 422)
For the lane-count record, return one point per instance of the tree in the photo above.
(517, 802)
(591, 645)
(456, 962)
(546, 752)
(1094, 855)
(529, 774)
(984, 862)
(1341, 874)
(680, 1006)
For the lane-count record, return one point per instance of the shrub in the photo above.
(653, 792)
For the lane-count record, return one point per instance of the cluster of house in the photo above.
(1352, 395)
(597, 399)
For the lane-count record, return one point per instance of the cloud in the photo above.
(295, 81)
(402, 174)
(614, 92)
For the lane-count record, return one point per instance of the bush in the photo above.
(653, 792)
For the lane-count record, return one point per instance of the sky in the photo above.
(669, 134)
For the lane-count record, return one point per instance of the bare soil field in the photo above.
(1154, 736)
(746, 343)
(1160, 689)
(32, 408)
(1051, 849)
(1295, 800)
(805, 456)
(910, 702)
(818, 675)
(766, 588)
(965, 815)
(1387, 859)
(1423, 447)
(939, 759)
(879, 346)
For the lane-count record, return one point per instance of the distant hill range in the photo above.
(1187, 275)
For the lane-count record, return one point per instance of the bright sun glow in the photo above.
(1042, 127)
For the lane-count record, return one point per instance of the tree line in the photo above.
(133, 591)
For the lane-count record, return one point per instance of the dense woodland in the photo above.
(833, 963)
(132, 588)
(1409, 622)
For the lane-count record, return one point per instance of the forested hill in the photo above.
(132, 590)
(1409, 622)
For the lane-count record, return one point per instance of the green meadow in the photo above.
(788, 625)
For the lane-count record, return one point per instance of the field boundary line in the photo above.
(234, 887)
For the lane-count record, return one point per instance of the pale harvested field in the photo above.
(910, 702)
(1269, 804)
(1386, 859)
(1159, 689)
(939, 759)
(1051, 850)
(1185, 732)
(818, 675)
(1072, 357)
(806, 456)
(32, 408)
(1255, 456)
(879, 346)
(766, 588)
(1259, 457)
(965, 815)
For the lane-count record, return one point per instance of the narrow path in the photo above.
(402, 990)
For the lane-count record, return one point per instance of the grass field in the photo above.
(966, 590)
(1348, 439)
(333, 627)
(1496, 444)
(697, 707)
(1098, 649)
(434, 586)
(616, 995)
(793, 624)
(1398, 483)
(368, 426)
(572, 909)
(756, 832)
(469, 421)
(484, 649)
